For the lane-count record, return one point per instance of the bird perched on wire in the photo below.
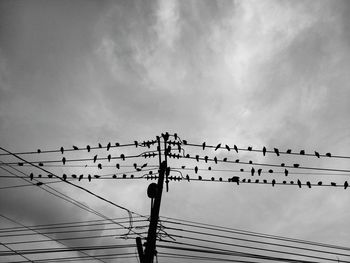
(302, 152)
(88, 148)
(203, 146)
(276, 151)
(64, 177)
(308, 184)
(31, 176)
(89, 177)
(235, 148)
(227, 147)
(108, 146)
(109, 157)
(197, 158)
(80, 177)
(122, 156)
(217, 146)
(285, 172)
(252, 171)
(64, 160)
(62, 150)
(99, 145)
(215, 159)
(75, 147)
(196, 169)
(259, 171)
(187, 177)
(264, 150)
(206, 159)
(299, 183)
(346, 184)
(317, 154)
(99, 166)
(273, 182)
(95, 158)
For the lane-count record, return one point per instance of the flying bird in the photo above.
(88, 148)
(252, 171)
(217, 146)
(95, 158)
(276, 151)
(144, 165)
(299, 183)
(227, 147)
(235, 148)
(75, 147)
(203, 145)
(64, 160)
(285, 172)
(99, 166)
(108, 146)
(317, 154)
(62, 150)
(264, 150)
(259, 171)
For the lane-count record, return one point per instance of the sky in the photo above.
(251, 73)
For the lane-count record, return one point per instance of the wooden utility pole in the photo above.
(150, 249)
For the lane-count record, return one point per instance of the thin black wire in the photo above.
(19, 254)
(268, 151)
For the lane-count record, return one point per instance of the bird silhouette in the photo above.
(264, 150)
(144, 165)
(136, 143)
(328, 154)
(273, 182)
(41, 164)
(187, 177)
(20, 164)
(224, 160)
(39, 183)
(117, 165)
(109, 157)
(346, 184)
(215, 159)
(289, 151)
(64, 177)
(175, 136)
(75, 147)
(250, 148)
(217, 146)
(31, 176)
(333, 184)
(88, 148)
(270, 171)
(209, 168)
(235, 179)
(108, 146)
(299, 183)
(39, 151)
(276, 151)
(227, 147)
(296, 165)
(302, 152)
(197, 158)
(285, 172)
(89, 177)
(283, 164)
(117, 144)
(62, 150)
(235, 148)
(64, 160)
(199, 177)
(317, 154)
(80, 177)
(99, 145)
(237, 161)
(122, 156)
(97, 176)
(196, 169)
(49, 175)
(114, 176)
(206, 159)
(252, 171)
(95, 158)
(99, 166)
(135, 165)
(74, 176)
(319, 183)
(308, 184)
(203, 145)
(259, 171)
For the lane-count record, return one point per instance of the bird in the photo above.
(39, 151)
(270, 171)
(264, 150)
(333, 184)
(39, 183)
(80, 177)
(187, 177)
(96, 176)
(175, 136)
(283, 164)
(144, 165)
(203, 145)
(199, 177)
(75, 147)
(227, 147)
(64, 177)
(224, 160)
(250, 148)
(122, 156)
(136, 143)
(20, 164)
(299, 183)
(49, 175)
(276, 151)
(62, 150)
(237, 161)
(302, 152)
(217, 146)
(64, 160)
(88, 148)
(31, 176)
(215, 159)
(99, 166)
(296, 165)
(135, 165)
(117, 166)
(89, 177)
(328, 154)
(346, 184)
(285, 172)
(196, 169)
(117, 144)
(109, 157)
(100, 145)
(212, 178)
(41, 164)
(197, 158)
(319, 183)
(273, 182)
(235, 179)
(317, 154)
(114, 176)
(252, 171)
(209, 168)
(289, 151)
(95, 158)
(108, 146)
(235, 148)
(259, 171)
(308, 184)
(206, 159)
(74, 176)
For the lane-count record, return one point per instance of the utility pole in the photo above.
(154, 191)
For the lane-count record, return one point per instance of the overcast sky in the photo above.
(251, 73)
